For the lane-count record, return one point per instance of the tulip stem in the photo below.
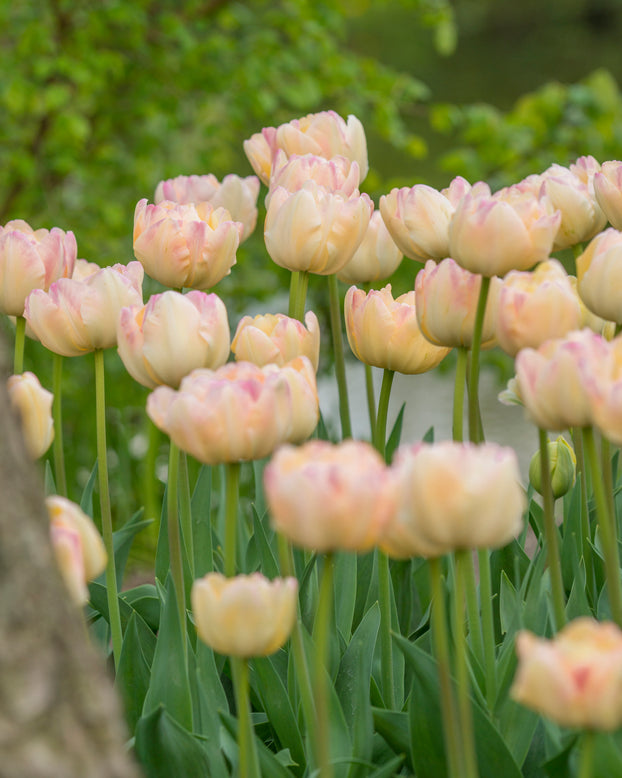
(20, 343)
(249, 760)
(57, 413)
(185, 511)
(293, 292)
(174, 540)
(322, 637)
(386, 647)
(440, 637)
(298, 294)
(586, 534)
(586, 754)
(458, 415)
(550, 533)
(605, 456)
(114, 613)
(232, 497)
(488, 628)
(340, 366)
(473, 614)
(474, 415)
(380, 437)
(607, 530)
(371, 399)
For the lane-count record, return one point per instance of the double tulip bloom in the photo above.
(277, 339)
(599, 275)
(376, 258)
(33, 403)
(608, 190)
(337, 174)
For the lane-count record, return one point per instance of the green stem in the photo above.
(474, 423)
(607, 529)
(386, 647)
(440, 635)
(488, 627)
(465, 711)
(586, 534)
(380, 437)
(550, 533)
(586, 754)
(371, 399)
(231, 515)
(293, 292)
(186, 511)
(475, 630)
(605, 456)
(174, 539)
(340, 365)
(149, 468)
(249, 759)
(322, 638)
(57, 413)
(458, 414)
(298, 295)
(20, 344)
(104, 501)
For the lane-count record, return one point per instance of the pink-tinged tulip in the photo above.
(235, 194)
(575, 678)
(608, 189)
(78, 547)
(384, 332)
(511, 230)
(446, 298)
(323, 134)
(276, 338)
(83, 269)
(315, 230)
(31, 259)
(376, 258)
(33, 403)
(300, 376)
(536, 306)
(453, 496)
(459, 187)
(327, 497)
(585, 168)
(588, 319)
(607, 395)
(337, 174)
(238, 412)
(76, 317)
(173, 335)
(557, 382)
(599, 275)
(244, 616)
(185, 245)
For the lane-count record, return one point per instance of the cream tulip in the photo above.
(33, 403)
(599, 275)
(608, 189)
(376, 258)
(276, 338)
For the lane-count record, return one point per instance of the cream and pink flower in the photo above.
(599, 275)
(376, 258)
(33, 403)
(276, 338)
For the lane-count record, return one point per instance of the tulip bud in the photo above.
(562, 467)
(34, 405)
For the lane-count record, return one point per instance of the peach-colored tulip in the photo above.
(324, 134)
(575, 678)
(235, 194)
(327, 497)
(315, 230)
(606, 394)
(34, 406)
(511, 230)
(384, 332)
(454, 496)
(78, 546)
(599, 325)
(337, 174)
(238, 412)
(75, 317)
(83, 269)
(446, 298)
(376, 258)
(172, 335)
(556, 382)
(244, 616)
(305, 403)
(536, 306)
(599, 275)
(608, 189)
(31, 259)
(185, 245)
(277, 338)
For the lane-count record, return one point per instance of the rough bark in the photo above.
(59, 713)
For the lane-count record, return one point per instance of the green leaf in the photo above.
(269, 764)
(201, 509)
(345, 592)
(395, 435)
(165, 748)
(134, 670)
(145, 601)
(268, 561)
(86, 501)
(122, 540)
(393, 726)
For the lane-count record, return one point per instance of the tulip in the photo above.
(314, 229)
(536, 306)
(606, 394)
(76, 317)
(337, 174)
(446, 298)
(238, 412)
(327, 497)
(235, 194)
(454, 496)
(31, 259)
(599, 275)
(376, 258)
(33, 403)
(562, 466)
(511, 230)
(300, 376)
(608, 189)
(83, 269)
(384, 332)
(323, 134)
(276, 338)
(172, 335)
(185, 245)
(575, 678)
(588, 319)
(78, 547)
(244, 616)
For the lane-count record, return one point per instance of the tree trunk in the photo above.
(59, 714)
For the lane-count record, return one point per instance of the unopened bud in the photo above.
(562, 467)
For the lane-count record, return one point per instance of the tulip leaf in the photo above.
(389, 769)
(395, 435)
(134, 670)
(201, 508)
(122, 540)
(345, 592)
(578, 604)
(162, 559)
(49, 483)
(268, 563)
(145, 601)
(165, 748)
(393, 726)
(269, 764)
